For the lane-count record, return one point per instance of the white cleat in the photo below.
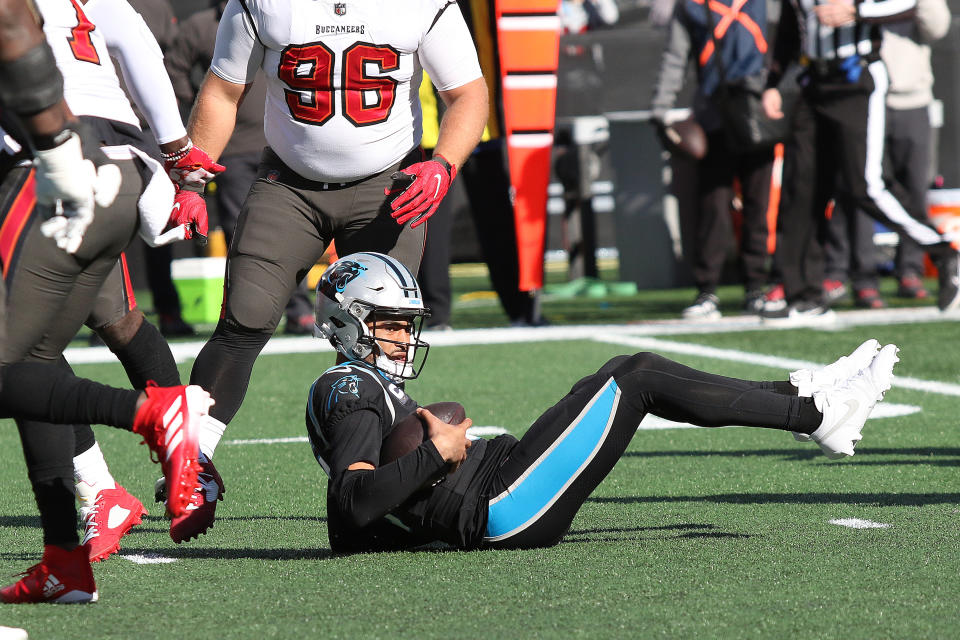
(808, 381)
(846, 408)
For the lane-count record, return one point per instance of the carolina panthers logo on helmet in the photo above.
(336, 279)
(345, 386)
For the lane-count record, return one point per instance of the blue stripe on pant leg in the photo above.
(539, 487)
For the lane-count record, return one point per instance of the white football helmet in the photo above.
(371, 287)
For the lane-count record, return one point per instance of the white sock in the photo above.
(91, 475)
(211, 430)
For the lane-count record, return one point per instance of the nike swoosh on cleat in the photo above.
(116, 516)
(852, 406)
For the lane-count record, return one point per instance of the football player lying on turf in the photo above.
(505, 493)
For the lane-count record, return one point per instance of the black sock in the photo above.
(224, 365)
(83, 438)
(808, 418)
(147, 357)
(48, 451)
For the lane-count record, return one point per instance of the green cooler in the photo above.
(199, 283)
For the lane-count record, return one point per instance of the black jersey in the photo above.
(351, 409)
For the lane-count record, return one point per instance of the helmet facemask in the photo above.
(416, 349)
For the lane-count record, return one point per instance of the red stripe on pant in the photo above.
(127, 283)
(15, 220)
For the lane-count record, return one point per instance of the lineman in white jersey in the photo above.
(84, 36)
(343, 126)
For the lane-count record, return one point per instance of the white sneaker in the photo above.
(846, 408)
(705, 307)
(807, 381)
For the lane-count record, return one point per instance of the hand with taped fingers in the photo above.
(422, 186)
(450, 439)
(191, 167)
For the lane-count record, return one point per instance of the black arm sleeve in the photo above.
(364, 496)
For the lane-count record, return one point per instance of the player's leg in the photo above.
(276, 241)
(50, 293)
(58, 286)
(278, 238)
(47, 278)
(138, 344)
(145, 356)
(574, 445)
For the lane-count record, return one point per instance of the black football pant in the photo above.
(572, 447)
(838, 132)
(717, 172)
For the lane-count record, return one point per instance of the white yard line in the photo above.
(472, 432)
(147, 558)
(857, 523)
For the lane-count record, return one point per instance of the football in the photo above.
(410, 432)
(687, 137)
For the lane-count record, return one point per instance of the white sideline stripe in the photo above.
(883, 410)
(776, 362)
(475, 432)
(184, 351)
(147, 558)
(857, 523)
(13, 633)
(610, 333)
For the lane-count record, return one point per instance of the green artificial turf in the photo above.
(711, 533)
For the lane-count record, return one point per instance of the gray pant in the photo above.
(50, 292)
(287, 223)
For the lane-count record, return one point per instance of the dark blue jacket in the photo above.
(740, 27)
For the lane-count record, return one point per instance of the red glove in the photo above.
(426, 185)
(190, 212)
(191, 167)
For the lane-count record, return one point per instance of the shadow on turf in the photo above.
(247, 553)
(690, 531)
(807, 453)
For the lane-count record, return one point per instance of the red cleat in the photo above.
(112, 515)
(201, 511)
(169, 422)
(61, 576)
